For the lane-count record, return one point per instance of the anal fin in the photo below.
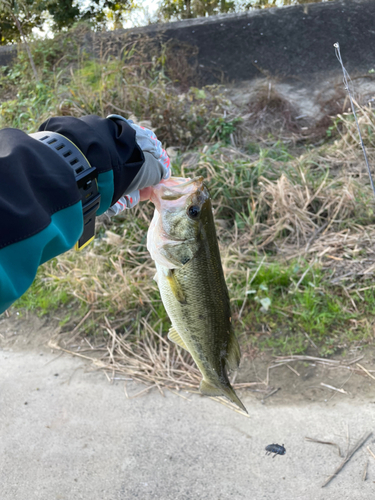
(175, 337)
(233, 356)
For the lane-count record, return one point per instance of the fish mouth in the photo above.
(177, 190)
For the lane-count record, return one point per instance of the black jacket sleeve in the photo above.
(40, 205)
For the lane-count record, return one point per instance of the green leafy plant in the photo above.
(221, 128)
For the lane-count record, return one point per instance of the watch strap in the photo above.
(86, 179)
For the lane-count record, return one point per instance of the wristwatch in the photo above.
(86, 178)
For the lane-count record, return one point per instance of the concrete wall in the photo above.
(290, 42)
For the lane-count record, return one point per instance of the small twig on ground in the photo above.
(303, 275)
(342, 385)
(244, 385)
(350, 298)
(293, 370)
(310, 340)
(248, 284)
(333, 363)
(267, 382)
(121, 378)
(138, 393)
(76, 329)
(246, 290)
(314, 236)
(349, 455)
(347, 440)
(371, 453)
(363, 289)
(234, 378)
(333, 388)
(176, 393)
(89, 344)
(325, 442)
(366, 371)
(297, 357)
(54, 359)
(53, 345)
(364, 475)
(355, 360)
(270, 394)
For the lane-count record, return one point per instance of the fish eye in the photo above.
(193, 211)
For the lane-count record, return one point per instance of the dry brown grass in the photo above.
(346, 154)
(298, 211)
(270, 112)
(152, 359)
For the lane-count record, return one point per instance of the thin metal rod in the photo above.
(347, 88)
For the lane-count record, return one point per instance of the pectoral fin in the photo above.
(175, 286)
(175, 337)
(234, 354)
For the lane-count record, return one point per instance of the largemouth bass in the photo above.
(183, 243)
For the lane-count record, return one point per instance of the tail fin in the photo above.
(224, 390)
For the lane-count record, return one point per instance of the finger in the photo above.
(145, 193)
(127, 201)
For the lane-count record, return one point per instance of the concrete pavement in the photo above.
(66, 433)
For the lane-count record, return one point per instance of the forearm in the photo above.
(40, 211)
(40, 204)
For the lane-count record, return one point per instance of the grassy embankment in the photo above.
(295, 220)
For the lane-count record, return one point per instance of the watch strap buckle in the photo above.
(88, 187)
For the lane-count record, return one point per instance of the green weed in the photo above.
(291, 308)
(222, 129)
(44, 296)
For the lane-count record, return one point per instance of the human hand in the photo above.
(155, 169)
